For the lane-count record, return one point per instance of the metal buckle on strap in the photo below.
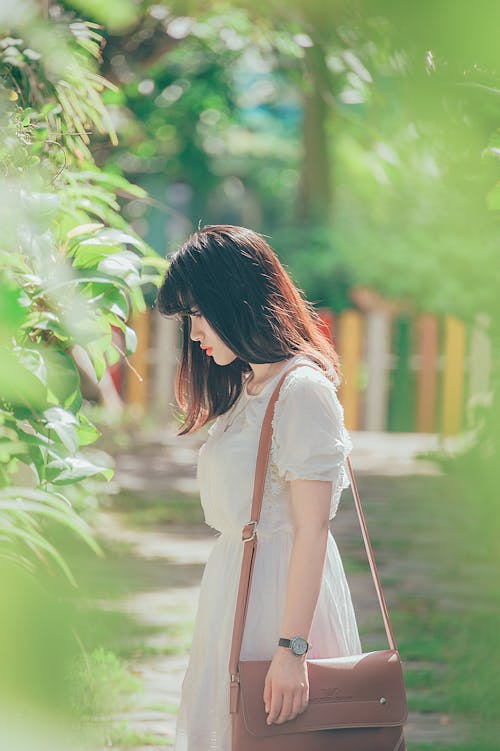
(254, 531)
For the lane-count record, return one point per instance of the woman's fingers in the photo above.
(286, 706)
(286, 709)
(284, 699)
(276, 705)
(298, 705)
(267, 694)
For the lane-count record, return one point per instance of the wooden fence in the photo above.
(401, 373)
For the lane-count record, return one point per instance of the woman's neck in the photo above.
(262, 373)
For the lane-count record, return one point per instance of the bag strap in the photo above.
(249, 539)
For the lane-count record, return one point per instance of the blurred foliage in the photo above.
(72, 270)
(216, 120)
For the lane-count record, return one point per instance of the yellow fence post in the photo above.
(350, 349)
(137, 376)
(453, 376)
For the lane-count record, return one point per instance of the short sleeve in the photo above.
(310, 441)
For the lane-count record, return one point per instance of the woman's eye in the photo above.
(196, 314)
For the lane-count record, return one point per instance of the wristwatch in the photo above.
(297, 644)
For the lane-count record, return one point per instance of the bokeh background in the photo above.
(362, 139)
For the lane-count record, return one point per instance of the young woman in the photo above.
(244, 322)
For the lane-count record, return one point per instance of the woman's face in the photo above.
(202, 332)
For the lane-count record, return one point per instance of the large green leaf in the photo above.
(23, 383)
(113, 180)
(111, 236)
(125, 265)
(130, 340)
(83, 278)
(110, 297)
(88, 255)
(97, 350)
(87, 431)
(44, 320)
(64, 424)
(73, 469)
(63, 379)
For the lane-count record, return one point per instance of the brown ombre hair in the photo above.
(236, 281)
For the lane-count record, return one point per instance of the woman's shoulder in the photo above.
(308, 376)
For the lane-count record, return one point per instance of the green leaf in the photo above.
(137, 299)
(74, 469)
(96, 351)
(21, 382)
(63, 379)
(113, 180)
(87, 431)
(10, 449)
(130, 340)
(111, 236)
(82, 230)
(46, 321)
(109, 298)
(64, 424)
(125, 265)
(157, 262)
(89, 255)
(88, 276)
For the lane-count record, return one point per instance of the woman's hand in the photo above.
(286, 688)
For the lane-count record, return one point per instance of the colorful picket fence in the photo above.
(401, 373)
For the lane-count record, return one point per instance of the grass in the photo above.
(100, 685)
(104, 682)
(125, 737)
(149, 511)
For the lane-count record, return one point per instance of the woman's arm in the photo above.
(286, 688)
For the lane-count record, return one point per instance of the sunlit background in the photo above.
(363, 139)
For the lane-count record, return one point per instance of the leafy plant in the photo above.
(72, 270)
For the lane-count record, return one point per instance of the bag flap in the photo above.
(365, 690)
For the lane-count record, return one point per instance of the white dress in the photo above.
(309, 441)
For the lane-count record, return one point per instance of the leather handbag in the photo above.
(356, 702)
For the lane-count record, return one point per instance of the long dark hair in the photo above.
(234, 278)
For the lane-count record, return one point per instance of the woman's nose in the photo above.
(194, 333)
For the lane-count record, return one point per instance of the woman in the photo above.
(244, 322)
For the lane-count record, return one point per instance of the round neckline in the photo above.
(272, 380)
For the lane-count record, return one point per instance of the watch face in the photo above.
(299, 645)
